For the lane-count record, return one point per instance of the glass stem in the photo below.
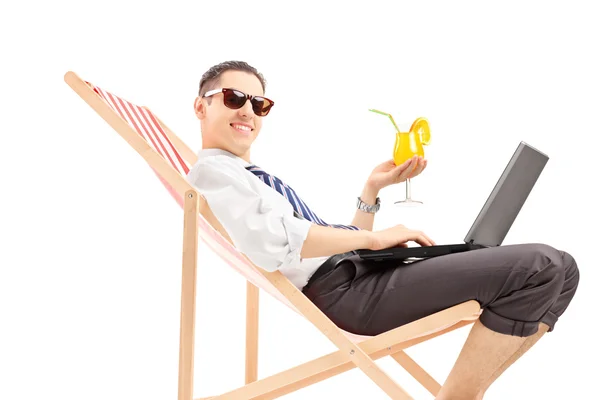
(408, 189)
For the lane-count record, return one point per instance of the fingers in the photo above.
(405, 164)
(431, 242)
(414, 166)
(402, 235)
(423, 239)
(421, 165)
(405, 170)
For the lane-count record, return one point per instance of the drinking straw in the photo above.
(389, 115)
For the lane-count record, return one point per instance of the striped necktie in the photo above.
(299, 206)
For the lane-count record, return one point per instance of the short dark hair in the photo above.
(210, 79)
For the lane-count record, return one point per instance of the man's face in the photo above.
(227, 129)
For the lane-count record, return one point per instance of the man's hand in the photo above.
(398, 235)
(387, 173)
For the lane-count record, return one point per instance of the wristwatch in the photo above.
(361, 205)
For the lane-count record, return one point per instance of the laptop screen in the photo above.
(506, 200)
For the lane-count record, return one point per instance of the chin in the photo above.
(243, 144)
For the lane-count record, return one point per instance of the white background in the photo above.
(91, 241)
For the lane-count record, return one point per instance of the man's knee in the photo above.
(546, 265)
(571, 270)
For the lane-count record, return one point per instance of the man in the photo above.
(523, 289)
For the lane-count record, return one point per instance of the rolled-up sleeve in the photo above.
(266, 232)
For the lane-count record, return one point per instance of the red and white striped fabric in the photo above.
(146, 125)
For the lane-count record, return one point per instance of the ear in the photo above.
(199, 108)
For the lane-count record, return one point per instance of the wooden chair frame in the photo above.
(350, 354)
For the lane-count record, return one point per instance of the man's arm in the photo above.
(323, 241)
(262, 226)
(326, 241)
(364, 220)
(385, 174)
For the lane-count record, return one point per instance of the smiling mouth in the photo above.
(241, 128)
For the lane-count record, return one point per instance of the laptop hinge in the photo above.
(477, 246)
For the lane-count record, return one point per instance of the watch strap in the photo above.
(369, 208)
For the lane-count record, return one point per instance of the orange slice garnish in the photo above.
(421, 127)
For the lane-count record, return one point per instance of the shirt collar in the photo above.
(203, 153)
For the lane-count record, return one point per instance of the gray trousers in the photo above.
(517, 286)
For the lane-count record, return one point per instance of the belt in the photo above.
(328, 265)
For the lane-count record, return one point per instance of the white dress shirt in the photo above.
(259, 220)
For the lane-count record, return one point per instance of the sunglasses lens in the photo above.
(233, 99)
(261, 106)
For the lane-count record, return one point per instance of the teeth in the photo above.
(241, 127)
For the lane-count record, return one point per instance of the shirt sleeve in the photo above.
(266, 232)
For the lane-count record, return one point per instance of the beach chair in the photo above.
(170, 159)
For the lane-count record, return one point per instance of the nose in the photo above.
(246, 110)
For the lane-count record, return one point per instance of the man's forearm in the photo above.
(324, 241)
(363, 219)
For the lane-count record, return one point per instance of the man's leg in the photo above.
(569, 288)
(518, 287)
(527, 344)
(485, 355)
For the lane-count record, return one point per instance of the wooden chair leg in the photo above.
(352, 351)
(417, 372)
(335, 363)
(188, 296)
(251, 333)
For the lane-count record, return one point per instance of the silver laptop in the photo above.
(495, 218)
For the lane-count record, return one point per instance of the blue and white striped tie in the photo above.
(299, 206)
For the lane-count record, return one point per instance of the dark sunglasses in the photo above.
(235, 99)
